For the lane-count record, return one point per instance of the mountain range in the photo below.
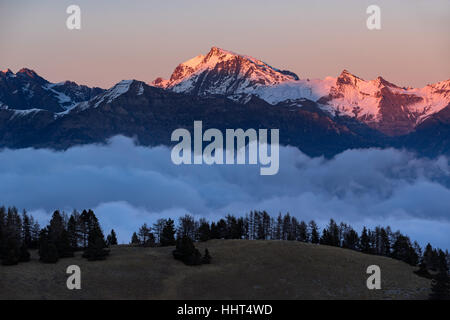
(227, 90)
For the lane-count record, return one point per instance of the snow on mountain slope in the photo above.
(383, 105)
(26, 90)
(110, 95)
(223, 72)
(435, 97)
(378, 103)
(63, 99)
(311, 89)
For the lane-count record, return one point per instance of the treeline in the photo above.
(259, 225)
(59, 239)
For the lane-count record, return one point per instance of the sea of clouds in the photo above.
(127, 185)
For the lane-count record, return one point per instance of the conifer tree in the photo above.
(59, 236)
(266, 227)
(372, 241)
(294, 229)
(430, 258)
(12, 236)
(65, 249)
(385, 245)
(112, 238)
(325, 238)
(72, 232)
(331, 235)
(96, 240)
(26, 229)
(47, 249)
(168, 234)
(403, 250)
(286, 227)
(11, 255)
(151, 240)
(83, 227)
(440, 285)
(204, 230)
(35, 231)
(234, 227)
(364, 241)
(279, 226)
(135, 239)
(214, 234)
(186, 252)
(302, 232)
(314, 230)
(351, 239)
(417, 251)
(96, 246)
(221, 229)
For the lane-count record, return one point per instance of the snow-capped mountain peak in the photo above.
(223, 72)
(348, 78)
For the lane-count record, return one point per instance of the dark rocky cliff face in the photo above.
(396, 119)
(26, 90)
(432, 137)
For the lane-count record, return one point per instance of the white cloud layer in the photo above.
(128, 185)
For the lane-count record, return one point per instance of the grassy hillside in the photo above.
(239, 270)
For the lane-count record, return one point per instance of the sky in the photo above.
(128, 185)
(143, 40)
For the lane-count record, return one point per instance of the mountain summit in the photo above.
(223, 72)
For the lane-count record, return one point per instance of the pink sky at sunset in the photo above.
(146, 39)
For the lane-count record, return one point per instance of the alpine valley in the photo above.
(228, 90)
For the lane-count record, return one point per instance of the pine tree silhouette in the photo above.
(168, 234)
(135, 239)
(440, 285)
(11, 253)
(314, 230)
(48, 252)
(112, 238)
(186, 252)
(96, 240)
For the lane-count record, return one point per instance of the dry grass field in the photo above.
(239, 270)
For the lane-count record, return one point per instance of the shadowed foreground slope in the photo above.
(240, 270)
